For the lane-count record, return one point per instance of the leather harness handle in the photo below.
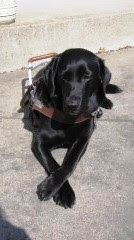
(40, 57)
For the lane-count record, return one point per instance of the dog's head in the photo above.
(75, 80)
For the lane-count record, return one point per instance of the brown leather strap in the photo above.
(44, 56)
(55, 114)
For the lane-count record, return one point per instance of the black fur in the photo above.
(75, 81)
(112, 89)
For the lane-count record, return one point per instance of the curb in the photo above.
(20, 42)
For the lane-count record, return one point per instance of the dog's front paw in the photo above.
(65, 197)
(47, 188)
(107, 104)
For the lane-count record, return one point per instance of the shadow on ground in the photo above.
(9, 231)
(27, 117)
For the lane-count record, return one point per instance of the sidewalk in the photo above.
(29, 11)
(103, 181)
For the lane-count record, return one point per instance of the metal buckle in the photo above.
(94, 115)
(32, 93)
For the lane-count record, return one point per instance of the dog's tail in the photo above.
(111, 89)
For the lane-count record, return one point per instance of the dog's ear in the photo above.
(105, 77)
(49, 75)
(105, 74)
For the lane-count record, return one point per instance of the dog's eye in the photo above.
(65, 79)
(87, 77)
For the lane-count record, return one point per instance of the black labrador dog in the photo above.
(75, 82)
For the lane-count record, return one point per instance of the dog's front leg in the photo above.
(54, 182)
(65, 196)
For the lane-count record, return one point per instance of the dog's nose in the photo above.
(72, 103)
(72, 106)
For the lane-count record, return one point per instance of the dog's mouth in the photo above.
(72, 112)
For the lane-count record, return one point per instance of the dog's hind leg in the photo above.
(112, 89)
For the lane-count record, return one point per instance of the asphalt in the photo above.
(103, 181)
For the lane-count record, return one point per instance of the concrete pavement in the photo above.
(71, 7)
(103, 181)
(53, 26)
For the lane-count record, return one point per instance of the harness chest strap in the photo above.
(55, 114)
